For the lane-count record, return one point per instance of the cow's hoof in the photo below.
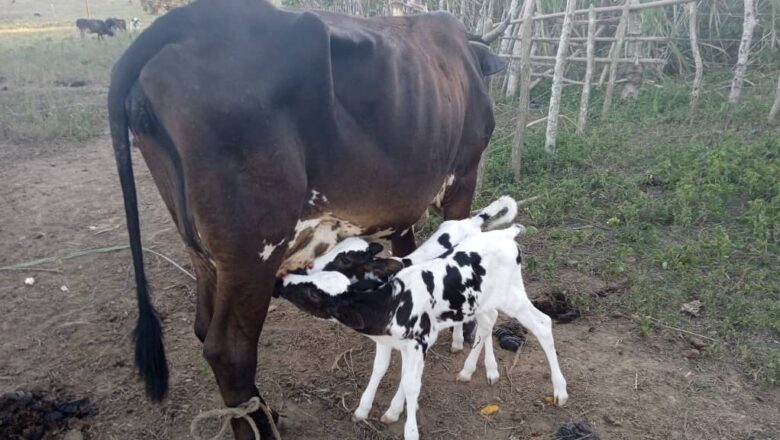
(463, 377)
(282, 424)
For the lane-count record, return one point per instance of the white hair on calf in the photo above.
(472, 281)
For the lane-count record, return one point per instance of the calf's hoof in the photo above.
(561, 398)
(463, 377)
(492, 379)
(388, 418)
(456, 348)
(359, 416)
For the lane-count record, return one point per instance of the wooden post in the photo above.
(693, 31)
(776, 105)
(86, 2)
(583, 116)
(744, 51)
(521, 52)
(619, 34)
(560, 67)
(525, 82)
(633, 29)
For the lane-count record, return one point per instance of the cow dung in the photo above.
(510, 334)
(558, 307)
(30, 415)
(572, 430)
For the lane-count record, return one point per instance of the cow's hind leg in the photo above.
(230, 346)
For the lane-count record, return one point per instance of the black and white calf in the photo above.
(477, 278)
(355, 258)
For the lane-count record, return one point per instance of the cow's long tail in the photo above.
(497, 214)
(149, 350)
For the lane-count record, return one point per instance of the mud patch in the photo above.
(557, 306)
(36, 415)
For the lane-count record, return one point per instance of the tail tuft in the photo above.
(150, 353)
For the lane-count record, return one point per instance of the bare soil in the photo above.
(77, 340)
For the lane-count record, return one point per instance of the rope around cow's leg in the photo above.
(241, 411)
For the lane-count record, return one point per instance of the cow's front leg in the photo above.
(230, 347)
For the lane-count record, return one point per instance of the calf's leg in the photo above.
(413, 357)
(540, 325)
(485, 322)
(381, 362)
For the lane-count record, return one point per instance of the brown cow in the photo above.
(271, 134)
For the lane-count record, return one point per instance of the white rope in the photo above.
(241, 411)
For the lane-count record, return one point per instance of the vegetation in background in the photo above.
(672, 210)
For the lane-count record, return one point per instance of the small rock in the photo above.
(692, 308)
(29, 281)
(691, 354)
(697, 343)
(64, 288)
(610, 421)
(73, 434)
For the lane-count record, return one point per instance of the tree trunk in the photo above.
(744, 51)
(634, 29)
(619, 35)
(525, 83)
(583, 116)
(521, 51)
(693, 31)
(776, 106)
(557, 83)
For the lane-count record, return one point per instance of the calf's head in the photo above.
(347, 257)
(312, 293)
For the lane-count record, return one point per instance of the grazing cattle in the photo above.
(93, 26)
(272, 134)
(116, 24)
(473, 281)
(353, 257)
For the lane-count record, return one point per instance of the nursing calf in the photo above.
(473, 281)
(355, 258)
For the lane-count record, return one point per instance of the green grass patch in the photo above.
(675, 210)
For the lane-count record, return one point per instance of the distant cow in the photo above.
(116, 24)
(135, 24)
(93, 26)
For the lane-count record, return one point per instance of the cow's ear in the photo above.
(375, 248)
(489, 63)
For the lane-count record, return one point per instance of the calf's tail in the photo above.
(497, 214)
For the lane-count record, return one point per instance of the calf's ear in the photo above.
(375, 248)
(489, 63)
(349, 317)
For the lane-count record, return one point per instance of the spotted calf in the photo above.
(355, 259)
(474, 280)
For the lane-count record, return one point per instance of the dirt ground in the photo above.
(78, 341)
